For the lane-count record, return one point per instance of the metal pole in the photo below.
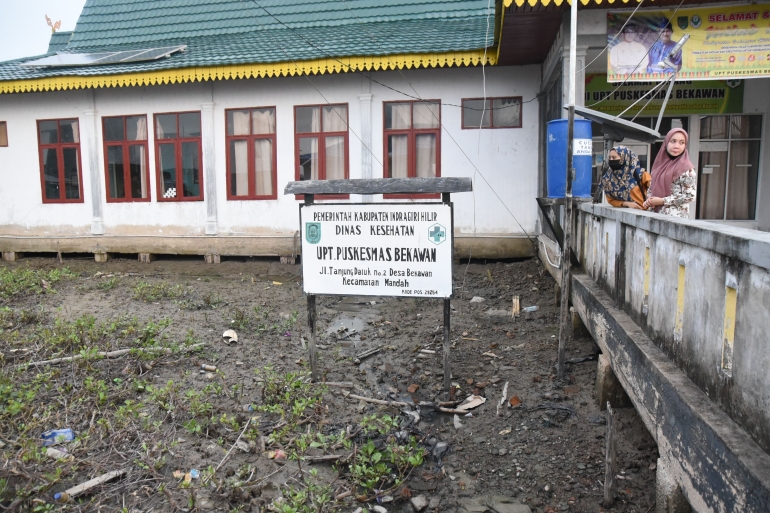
(311, 321)
(447, 366)
(447, 316)
(565, 324)
(665, 101)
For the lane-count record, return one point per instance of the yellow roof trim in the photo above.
(233, 71)
(533, 3)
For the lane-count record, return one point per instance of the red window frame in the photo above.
(322, 147)
(125, 144)
(59, 147)
(411, 134)
(177, 142)
(491, 113)
(252, 195)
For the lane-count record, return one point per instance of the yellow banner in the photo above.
(730, 41)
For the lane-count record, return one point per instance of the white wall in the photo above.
(507, 158)
(756, 100)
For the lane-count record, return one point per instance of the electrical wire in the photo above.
(643, 58)
(312, 84)
(418, 97)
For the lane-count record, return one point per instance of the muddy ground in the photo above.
(546, 453)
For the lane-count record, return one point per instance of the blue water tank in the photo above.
(556, 158)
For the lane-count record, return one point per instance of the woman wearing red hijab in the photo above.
(673, 177)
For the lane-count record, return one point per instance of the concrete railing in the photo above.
(699, 291)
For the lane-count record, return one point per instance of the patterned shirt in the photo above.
(677, 204)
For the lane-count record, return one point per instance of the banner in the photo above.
(687, 97)
(729, 41)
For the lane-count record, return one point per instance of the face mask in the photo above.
(615, 164)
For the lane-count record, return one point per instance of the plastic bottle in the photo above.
(61, 497)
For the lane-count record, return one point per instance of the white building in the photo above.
(190, 153)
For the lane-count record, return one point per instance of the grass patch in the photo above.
(145, 291)
(108, 284)
(23, 280)
(205, 302)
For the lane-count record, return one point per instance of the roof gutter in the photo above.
(259, 70)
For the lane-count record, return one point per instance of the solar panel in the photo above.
(100, 58)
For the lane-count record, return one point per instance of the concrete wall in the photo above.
(700, 291)
(507, 158)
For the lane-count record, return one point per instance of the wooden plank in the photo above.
(381, 186)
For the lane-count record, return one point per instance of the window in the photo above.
(59, 146)
(492, 113)
(251, 160)
(412, 137)
(3, 134)
(728, 167)
(321, 142)
(178, 156)
(125, 158)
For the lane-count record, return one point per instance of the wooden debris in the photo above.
(84, 487)
(609, 461)
(111, 354)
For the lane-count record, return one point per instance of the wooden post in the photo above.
(311, 318)
(565, 319)
(447, 316)
(447, 365)
(609, 464)
(311, 321)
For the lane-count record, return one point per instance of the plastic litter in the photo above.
(210, 368)
(58, 436)
(530, 309)
(62, 497)
(230, 337)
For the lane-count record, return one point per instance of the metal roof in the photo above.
(241, 32)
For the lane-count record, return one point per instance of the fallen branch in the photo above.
(84, 487)
(338, 384)
(322, 459)
(452, 410)
(110, 354)
(343, 495)
(366, 354)
(234, 444)
(378, 401)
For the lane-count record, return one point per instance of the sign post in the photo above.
(378, 249)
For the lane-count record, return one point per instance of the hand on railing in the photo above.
(652, 201)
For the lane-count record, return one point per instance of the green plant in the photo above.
(290, 395)
(108, 284)
(378, 424)
(145, 291)
(313, 497)
(239, 319)
(23, 280)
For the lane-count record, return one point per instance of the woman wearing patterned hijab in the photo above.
(625, 184)
(673, 177)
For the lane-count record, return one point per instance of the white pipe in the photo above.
(572, 51)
